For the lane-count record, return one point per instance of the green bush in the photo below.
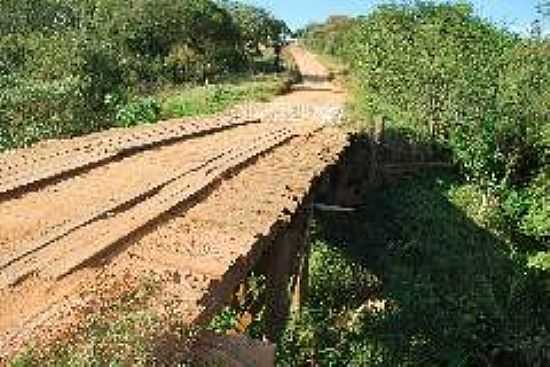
(13, 54)
(185, 34)
(324, 332)
(456, 79)
(67, 67)
(459, 290)
(419, 278)
(536, 220)
(102, 73)
(144, 110)
(32, 111)
(459, 295)
(257, 27)
(44, 16)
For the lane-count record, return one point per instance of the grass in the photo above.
(321, 333)
(129, 333)
(245, 315)
(46, 117)
(126, 333)
(215, 98)
(418, 278)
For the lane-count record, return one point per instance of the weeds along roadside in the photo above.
(167, 102)
(122, 332)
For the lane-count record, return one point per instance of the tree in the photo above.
(45, 16)
(156, 26)
(257, 27)
(536, 29)
(189, 39)
(543, 9)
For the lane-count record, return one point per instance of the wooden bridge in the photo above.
(191, 206)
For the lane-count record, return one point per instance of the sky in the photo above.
(517, 15)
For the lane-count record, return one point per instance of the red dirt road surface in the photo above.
(188, 203)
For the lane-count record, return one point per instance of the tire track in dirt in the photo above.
(31, 217)
(30, 168)
(97, 236)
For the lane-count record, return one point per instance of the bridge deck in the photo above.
(190, 206)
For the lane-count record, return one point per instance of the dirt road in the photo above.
(184, 202)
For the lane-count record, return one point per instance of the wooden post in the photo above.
(301, 284)
(278, 276)
(285, 267)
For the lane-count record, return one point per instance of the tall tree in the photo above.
(543, 8)
(257, 26)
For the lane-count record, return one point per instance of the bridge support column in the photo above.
(285, 266)
(300, 285)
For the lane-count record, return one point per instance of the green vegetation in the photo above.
(416, 279)
(73, 67)
(450, 268)
(122, 334)
(215, 98)
(442, 75)
(193, 100)
(245, 314)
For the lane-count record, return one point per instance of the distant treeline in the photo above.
(66, 66)
(445, 76)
